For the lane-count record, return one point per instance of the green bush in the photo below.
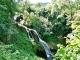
(6, 53)
(19, 47)
(72, 50)
(7, 9)
(20, 39)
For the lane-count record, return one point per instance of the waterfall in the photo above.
(44, 44)
(33, 35)
(47, 50)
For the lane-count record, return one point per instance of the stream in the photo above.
(33, 35)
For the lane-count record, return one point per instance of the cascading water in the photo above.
(48, 52)
(33, 35)
(44, 44)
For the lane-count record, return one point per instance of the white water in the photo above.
(47, 50)
(31, 33)
(44, 44)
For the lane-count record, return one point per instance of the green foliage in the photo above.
(38, 5)
(51, 18)
(21, 41)
(19, 48)
(72, 50)
(7, 9)
(52, 23)
(60, 28)
(34, 21)
(52, 41)
(7, 53)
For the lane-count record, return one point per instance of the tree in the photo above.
(7, 10)
(38, 5)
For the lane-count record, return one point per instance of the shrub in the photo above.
(72, 49)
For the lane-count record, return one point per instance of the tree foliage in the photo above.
(53, 22)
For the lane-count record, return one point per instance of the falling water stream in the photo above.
(44, 44)
(33, 35)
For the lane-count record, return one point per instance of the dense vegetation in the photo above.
(57, 23)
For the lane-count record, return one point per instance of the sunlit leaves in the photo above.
(72, 50)
(7, 53)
